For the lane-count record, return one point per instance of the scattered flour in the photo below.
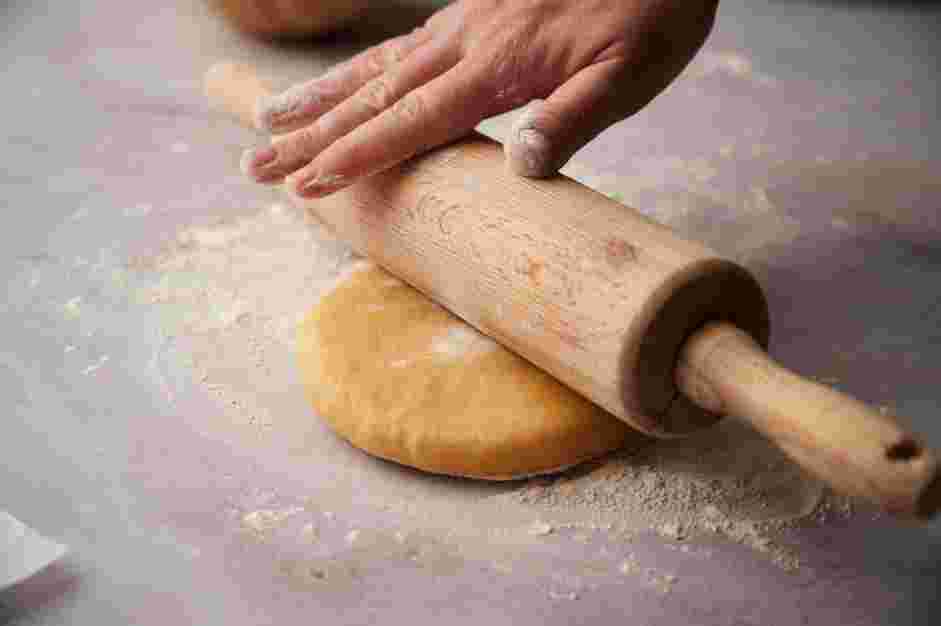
(264, 521)
(97, 365)
(309, 533)
(563, 595)
(661, 582)
(235, 292)
(629, 565)
(727, 481)
(727, 63)
(73, 308)
(540, 529)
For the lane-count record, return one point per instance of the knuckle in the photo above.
(411, 108)
(301, 144)
(329, 125)
(389, 54)
(375, 60)
(509, 69)
(376, 96)
(393, 52)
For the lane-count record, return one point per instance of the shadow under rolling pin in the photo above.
(658, 330)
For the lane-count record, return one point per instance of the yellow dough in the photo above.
(403, 379)
(289, 18)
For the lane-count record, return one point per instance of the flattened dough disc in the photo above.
(403, 379)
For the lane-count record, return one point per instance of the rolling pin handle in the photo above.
(840, 440)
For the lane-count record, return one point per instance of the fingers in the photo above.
(441, 110)
(623, 79)
(296, 150)
(547, 133)
(303, 103)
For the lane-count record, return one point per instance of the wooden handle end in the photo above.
(855, 449)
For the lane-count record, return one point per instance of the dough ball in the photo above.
(289, 18)
(405, 380)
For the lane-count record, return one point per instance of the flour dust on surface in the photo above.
(233, 293)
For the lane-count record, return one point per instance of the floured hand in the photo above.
(582, 65)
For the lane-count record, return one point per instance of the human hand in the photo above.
(582, 64)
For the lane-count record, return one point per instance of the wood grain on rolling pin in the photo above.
(660, 331)
(599, 296)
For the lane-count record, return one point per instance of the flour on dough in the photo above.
(462, 341)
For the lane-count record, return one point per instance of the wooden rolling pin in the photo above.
(658, 330)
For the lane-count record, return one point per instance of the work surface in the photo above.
(154, 422)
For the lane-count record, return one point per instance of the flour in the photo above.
(727, 63)
(726, 481)
(462, 341)
(309, 533)
(540, 529)
(563, 595)
(234, 292)
(629, 565)
(291, 99)
(264, 521)
(276, 110)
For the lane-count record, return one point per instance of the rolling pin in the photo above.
(660, 331)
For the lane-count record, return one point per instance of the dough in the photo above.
(403, 379)
(289, 18)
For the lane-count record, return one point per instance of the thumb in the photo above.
(548, 132)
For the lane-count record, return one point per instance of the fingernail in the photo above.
(255, 159)
(320, 185)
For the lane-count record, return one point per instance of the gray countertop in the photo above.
(803, 142)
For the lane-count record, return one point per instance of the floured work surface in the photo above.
(236, 293)
(99, 457)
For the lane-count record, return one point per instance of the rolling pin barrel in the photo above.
(658, 330)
